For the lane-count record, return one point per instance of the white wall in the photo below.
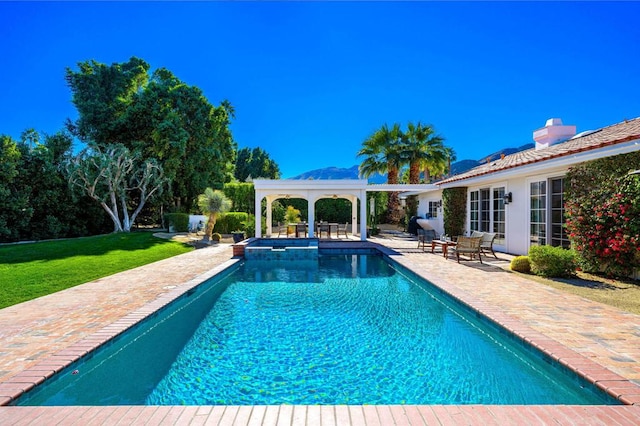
(517, 213)
(436, 223)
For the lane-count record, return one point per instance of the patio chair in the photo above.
(301, 229)
(283, 228)
(476, 234)
(425, 236)
(469, 246)
(342, 229)
(324, 226)
(486, 245)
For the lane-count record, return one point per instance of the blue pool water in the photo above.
(345, 329)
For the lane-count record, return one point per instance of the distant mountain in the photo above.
(464, 165)
(352, 172)
(338, 173)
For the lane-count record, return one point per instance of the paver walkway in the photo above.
(33, 333)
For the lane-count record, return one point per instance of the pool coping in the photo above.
(622, 389)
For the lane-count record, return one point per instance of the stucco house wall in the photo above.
(514, 174)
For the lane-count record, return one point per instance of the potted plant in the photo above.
(292, 216)
(238, 236)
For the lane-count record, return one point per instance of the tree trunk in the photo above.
(414, 172)
(394, 214)
(210, 224)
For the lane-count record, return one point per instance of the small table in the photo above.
(444, 244)
(326, 227)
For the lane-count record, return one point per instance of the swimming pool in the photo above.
(346, 329)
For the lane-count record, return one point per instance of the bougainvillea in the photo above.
(603, 214)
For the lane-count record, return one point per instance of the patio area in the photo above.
(41, 336)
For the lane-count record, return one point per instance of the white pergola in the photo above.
(314, 190)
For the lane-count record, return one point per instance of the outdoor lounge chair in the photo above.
(469, 246)
(425, 236)
(486, 245)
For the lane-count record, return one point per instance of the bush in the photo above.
(454, 206)
(250, 226)
(603, 214)
(179, 221)
(216, 237)
(521, 264)
(550, 261)
(231, 221)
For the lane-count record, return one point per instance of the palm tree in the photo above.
(211, 203)
(382, 153)
(451, 156)
(423, 149)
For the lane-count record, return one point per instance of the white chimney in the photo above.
(552, 133)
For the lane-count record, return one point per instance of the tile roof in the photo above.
(625, 131)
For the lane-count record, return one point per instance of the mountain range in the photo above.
(352, 172)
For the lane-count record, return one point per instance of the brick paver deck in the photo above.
(40, 337)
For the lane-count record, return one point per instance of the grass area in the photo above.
(31, 270)
(624, 295)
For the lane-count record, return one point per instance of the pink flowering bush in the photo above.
(603, 214)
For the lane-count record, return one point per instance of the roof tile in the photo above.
(617, 133)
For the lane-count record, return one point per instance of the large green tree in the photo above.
(118, 180)
(35, 200)
(382, 152)
(159, 116)
(14, 208)
(255, 163)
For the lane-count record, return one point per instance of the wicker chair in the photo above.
(469, 246)
(486, 245)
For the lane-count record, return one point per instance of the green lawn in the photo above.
(28, 271)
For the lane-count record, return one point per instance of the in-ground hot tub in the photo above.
(282, 249)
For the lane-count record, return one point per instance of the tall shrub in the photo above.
(229, 222)
(603, 214)
(242, 196)
(454, 205)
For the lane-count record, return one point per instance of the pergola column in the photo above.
(311, 213)
(354, 214)
(363, 215)
(258, 214)
(269, 216)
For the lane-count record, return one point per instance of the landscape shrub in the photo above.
(231, 221)
(454, 206)
(216, 237)
(603, 214)
(179, 221)
(550, 261)
(521, 264)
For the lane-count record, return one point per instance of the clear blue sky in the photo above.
(310, 81)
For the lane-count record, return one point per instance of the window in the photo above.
(538, 213)
(546, 211)
(487, 213)
(433, 209)
(558, 230)
(499, 215)
(473, 211)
